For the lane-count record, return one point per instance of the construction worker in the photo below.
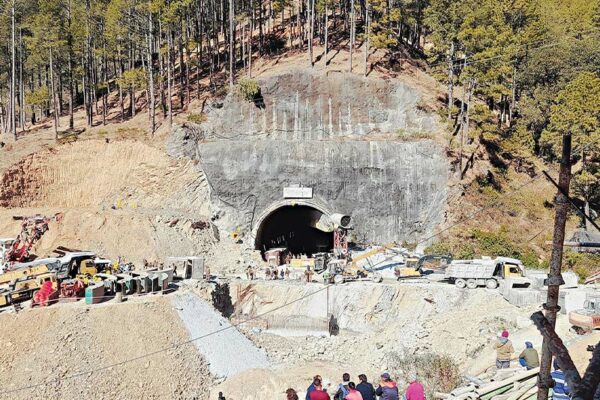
(221, 397)
(561, 389)
(529, 357)
(388, 389)
(318, 393)
(365, 388)
(415, 390)
(312, 386)
(250, 273)
(308, 274)
(504, 351)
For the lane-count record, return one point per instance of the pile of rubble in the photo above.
(503, 384)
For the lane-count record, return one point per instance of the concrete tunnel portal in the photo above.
(293, 227)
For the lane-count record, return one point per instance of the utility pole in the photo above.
(231, 43)
(554, 276)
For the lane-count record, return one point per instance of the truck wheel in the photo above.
(460, 283)
(471, 283)
(491, 284)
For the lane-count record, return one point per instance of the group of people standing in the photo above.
(364, 390)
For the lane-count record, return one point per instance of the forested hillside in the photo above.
(518, 73)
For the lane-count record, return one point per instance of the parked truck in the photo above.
(586, 319)
(486, 272)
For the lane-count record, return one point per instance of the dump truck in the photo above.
(586, 319)
(486, 272)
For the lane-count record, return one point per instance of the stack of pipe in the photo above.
(507, 384)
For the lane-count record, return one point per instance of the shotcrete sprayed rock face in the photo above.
(326, 144)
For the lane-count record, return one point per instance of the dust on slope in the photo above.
(157, 199)
(44, 345)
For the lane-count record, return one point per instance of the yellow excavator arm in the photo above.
(371, 253)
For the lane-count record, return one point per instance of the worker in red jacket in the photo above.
(318, 393)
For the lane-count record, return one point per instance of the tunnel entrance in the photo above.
(293, 227)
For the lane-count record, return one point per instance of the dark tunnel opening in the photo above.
(293, 227)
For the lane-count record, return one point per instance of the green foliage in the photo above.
(576, 111)
(583, 264)
(39, 97)
(248, 89)
(133, 78)
(383, 21)
(479, 243)
(197, 118)
(408, 136)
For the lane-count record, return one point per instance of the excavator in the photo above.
(343, 270)
(350, 268)
(15, 251)
(414, 265)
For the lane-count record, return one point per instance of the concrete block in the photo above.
(524, 297)
(573, 300)
(198, 268)
(94, 294)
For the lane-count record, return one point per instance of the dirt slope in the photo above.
(42, 345)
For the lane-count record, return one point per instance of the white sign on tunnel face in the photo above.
(297, 193)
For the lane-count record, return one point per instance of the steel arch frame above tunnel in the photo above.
(256, 234)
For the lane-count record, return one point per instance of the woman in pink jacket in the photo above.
(353, 394)
(415, 390)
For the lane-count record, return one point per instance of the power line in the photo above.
(81, 373)
(175, 346)
(326, 287)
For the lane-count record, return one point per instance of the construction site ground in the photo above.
(74, 350)
(121, 195)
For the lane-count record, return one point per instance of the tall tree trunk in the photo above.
(231, 52)
(53, 94)
(250, 43)
(21, 83)
(70, 67)
(169, 77)
(311, 30)
(88, 88)
(120, 80)
(326, 32)
(151, 105)
(450, 80)
(513, 98)
(161, 66)
(352, 32)
(367, 34)
(13, 121)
